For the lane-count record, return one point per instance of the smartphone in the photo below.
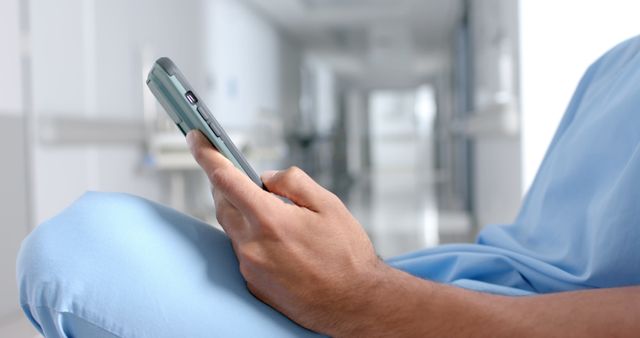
(188, 111)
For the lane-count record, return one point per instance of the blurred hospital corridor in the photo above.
(396, 199)
(428, 118)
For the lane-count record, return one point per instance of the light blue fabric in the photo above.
(115, 265)
(579, 226)
(134, 268)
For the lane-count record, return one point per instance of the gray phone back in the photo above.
(185, 108)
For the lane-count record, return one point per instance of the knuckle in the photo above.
(199, 153)
(295, 172)
(292, 174)
(243, 254)
(249, 257)
(244, 270)
(252, 288)
(334, 199)
(270, 227)
(257, 292)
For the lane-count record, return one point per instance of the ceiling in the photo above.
(379, 38)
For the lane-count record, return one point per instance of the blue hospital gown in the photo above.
(115, 265)
(579, 225)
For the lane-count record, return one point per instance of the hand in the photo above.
(310, 260)
(313, 262)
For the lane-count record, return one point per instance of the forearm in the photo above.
(613, 312)
(400, 305)
(406, 306)
(312, 261)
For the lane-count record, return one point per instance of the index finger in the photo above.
(207, 156)
(237, 187)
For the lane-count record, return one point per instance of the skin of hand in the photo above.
(313, 262)
(310, 260)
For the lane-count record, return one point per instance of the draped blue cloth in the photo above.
(115, 265)
(579, 226)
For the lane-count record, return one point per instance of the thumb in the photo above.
(298, 187)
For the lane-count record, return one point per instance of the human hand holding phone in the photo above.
(310, 260)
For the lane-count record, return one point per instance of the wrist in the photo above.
(381, 303)
(395, 303)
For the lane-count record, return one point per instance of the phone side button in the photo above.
(183, 128)
(214, 128)
(203, 113)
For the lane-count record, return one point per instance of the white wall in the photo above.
(254, 80)
(91, 65)
(10, 81)
(496, 158)
(559, 40)
(13, 177)
(87, 62)
(244, 56)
